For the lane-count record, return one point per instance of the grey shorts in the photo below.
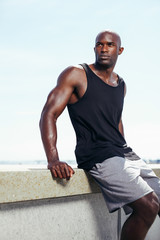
(123, 181)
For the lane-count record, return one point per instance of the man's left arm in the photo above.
(121, 129)
(120, 126)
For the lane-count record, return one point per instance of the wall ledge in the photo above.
(23, 183)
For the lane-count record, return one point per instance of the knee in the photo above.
(152, 204)
(147, 207)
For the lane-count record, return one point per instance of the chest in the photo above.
(105, 97)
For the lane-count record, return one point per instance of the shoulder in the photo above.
(125, 88)
(71, 73)
(122, 83)
(121, 80)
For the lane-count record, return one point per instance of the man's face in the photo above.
(107, 49)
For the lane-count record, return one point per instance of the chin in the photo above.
(104, 64)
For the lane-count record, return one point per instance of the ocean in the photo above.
(69, 162)
(43, 163)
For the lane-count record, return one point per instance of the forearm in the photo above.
(49, 136)
(55, 104)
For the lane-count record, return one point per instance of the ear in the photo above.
(94, 49)
(120, 50)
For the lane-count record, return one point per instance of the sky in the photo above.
(39, 39)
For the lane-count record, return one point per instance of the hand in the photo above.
(60, 169)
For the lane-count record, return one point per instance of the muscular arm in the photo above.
(121, 129)
(56, 102)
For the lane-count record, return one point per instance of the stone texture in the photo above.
(30, 184)
(82, 217)
(61, 209)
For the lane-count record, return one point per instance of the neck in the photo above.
(105, 69)
(105, 73)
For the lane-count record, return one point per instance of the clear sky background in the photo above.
(38, 39)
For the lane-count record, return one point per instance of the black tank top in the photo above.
(95, 118)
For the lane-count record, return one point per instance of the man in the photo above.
(94, 96)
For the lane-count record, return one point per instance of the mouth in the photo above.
(104, 56)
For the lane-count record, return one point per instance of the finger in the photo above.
(63, 173)
(54, 173)
(67, 171)
(59, 173)
(61, 168)
(71, 171)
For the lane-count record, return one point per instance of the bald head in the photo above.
(109, 32)
(107, 48)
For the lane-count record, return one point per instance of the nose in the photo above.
(104, 48)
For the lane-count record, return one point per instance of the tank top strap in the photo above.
(84, 65)
(87, 71)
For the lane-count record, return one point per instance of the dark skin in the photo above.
(71, 86)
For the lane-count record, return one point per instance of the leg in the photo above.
(144, 213)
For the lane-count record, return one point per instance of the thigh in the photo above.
(120, 182)
(150, 177)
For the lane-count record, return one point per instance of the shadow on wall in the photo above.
(78, 217)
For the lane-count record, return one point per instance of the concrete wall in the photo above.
(33, 206)
(78, 217)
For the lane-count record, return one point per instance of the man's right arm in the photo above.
(56, 102)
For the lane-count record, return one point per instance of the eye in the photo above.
(98, 44)
(110, 44)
